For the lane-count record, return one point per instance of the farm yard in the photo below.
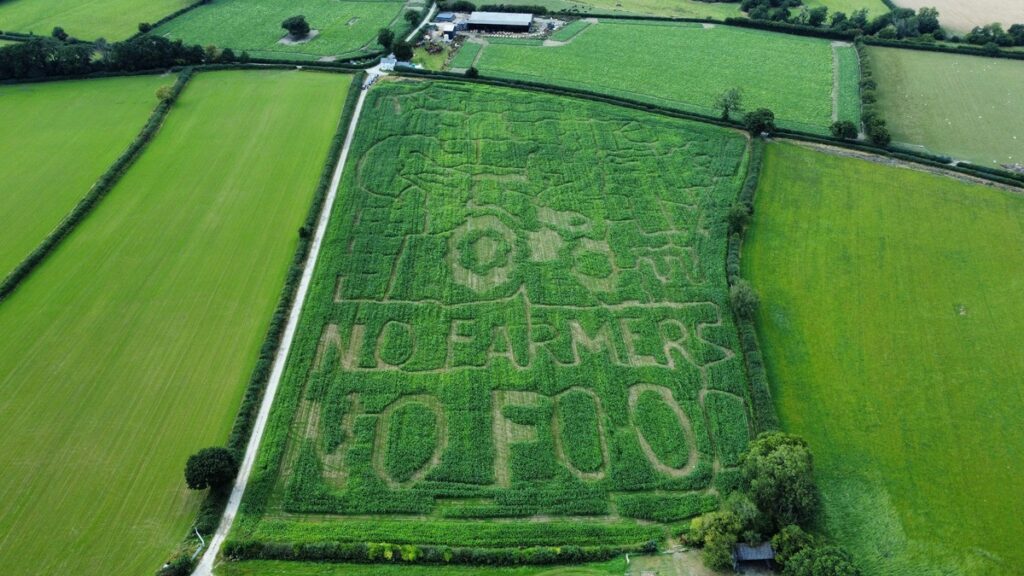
(130, 347)
(344, 28)
(56, 140)
(401, 367)
(891, 322)
(797, 84)
(968, 107)
(960, 16)
(89, 20)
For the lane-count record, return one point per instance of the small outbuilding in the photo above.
(445, 17)
(500, 21)
(747, 556)
(387, 63)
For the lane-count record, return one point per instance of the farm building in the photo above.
(745, 555)
(387, 63)
(500, 22)
(445, 17)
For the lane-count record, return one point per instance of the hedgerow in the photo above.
(489, 319)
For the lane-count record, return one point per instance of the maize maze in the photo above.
(520, 312)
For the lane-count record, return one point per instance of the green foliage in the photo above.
(495, 280)
(386, 38)
(844, 129)
(744, 299)
(296, 26)
(402, 50)
(466, 55)
(729, 428)
(111, 19)
(211, 468)
(789, 542)
(779, 474)
(730, 101)
(760, 121)
(821, 561)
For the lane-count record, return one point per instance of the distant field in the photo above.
(874, 7)
(255, 26)
(962, 15)
(668, 8)
(892, 324)
(56, 140)
(86, 19)
(129, 348)
(615, 567)
(968, 107)
(628, 59)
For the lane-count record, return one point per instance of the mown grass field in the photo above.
(968, 107)
(85, 19)
(255, 26)
(615, 567)
(526, 316)
(959, 16)
(687, 66)
(891, 322)
(129, 348)
(56, 140)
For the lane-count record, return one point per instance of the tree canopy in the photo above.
(211, 468)
(778, 472)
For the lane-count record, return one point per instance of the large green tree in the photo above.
(211, 468)
(778, 472)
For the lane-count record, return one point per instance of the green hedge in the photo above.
(965, 49)
(796, 29)
(422, 554)
(105, 183)
(172, 16)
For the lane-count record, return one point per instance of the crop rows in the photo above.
(521, 317)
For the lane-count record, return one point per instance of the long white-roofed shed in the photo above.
(500, 21)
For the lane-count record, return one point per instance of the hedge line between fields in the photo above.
(964, 49)
(996, 175)
(423, 554)
(98, 191)
(171, 16)
(762, 408)
(209, 514)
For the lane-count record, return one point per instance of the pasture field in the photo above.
(85, 19)
(874, 7)
(615, 567)
(961, 15)
(626, 59)
(667, 8)
(968, 107)
(525, 320)
(129, 348)
(466, 55)
(56, 140)
(346, 28)
(891, 322)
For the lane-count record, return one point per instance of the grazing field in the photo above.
(129, 348)
(56, 140)
(627, 59)
(85, 19)
(346, 28)
(466, 55)
(486, 319)
(874, 7)
(892, 325)
(968, 107)
(961, 15)
(615, 567)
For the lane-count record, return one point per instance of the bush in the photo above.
(386, 37)
(296, 26)
(760, 121)
(145, 27)
(180, 566)
(823, 561)
(738, 217)
(403, 51)
(778, 473)
(844, 129)
(879, 135)
(211, 468)
(472, 72)
(744, 299)
(789, 542)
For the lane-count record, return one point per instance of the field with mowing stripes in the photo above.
(615, 567)
(968, 107)
(626, 59)
(129, 348)
(525, 320)
(892, 326)
(255, 26)
(56, 140)
(85, 19)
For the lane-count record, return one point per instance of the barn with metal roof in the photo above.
(500, 21)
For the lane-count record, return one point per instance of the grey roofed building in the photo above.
(745, 553)
(500, 21)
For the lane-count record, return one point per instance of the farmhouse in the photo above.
(500, 22)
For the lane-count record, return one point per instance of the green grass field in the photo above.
(687, 67)
(129, 348)
(56, 140)
(892, 324)
(615, 567)
(526, 316)
(968, 107)
(85, 19)
(874, 7)
(255, 26)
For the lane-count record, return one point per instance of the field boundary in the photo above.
(98, 191)
(274, 353)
